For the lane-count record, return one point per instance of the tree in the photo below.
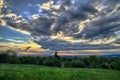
(52, 61)
(105, 66)
(67, 64)
(78, 64)
(115, 65)
(4, 58)
(27, 60)
(13, 59)
(56, 55)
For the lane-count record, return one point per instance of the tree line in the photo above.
(56, 61)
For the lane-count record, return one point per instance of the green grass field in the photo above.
(33, 72)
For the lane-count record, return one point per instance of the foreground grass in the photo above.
(32, 72)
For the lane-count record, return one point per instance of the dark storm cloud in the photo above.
(67, 22)
(90, 32)
(70, 15)
(102, 26)
(95, 19)
(40, 26)
(66, 2)
(89, 9)
(106, 21)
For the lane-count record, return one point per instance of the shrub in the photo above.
(52, 62)
(39, 60)
(27, 60)
(67, 64)
(115, 65)
(86, 61)
(78, 64)
(105, 66)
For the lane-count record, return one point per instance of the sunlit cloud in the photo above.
(1, 3)
(22, 31)
(3, 22)
(47, 5)
(16, 41)
(60, 35)
(35, 16)
(115, 11)
(103, 41)
(13, 45)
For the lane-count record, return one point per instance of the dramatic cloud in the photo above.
(90, 21)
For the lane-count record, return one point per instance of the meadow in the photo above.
(37, 72)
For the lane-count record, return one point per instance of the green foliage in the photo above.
(52, 61)
(115, 65)
(78, 64)
(8, 56)
(105, 66)
(86, 62)
(4, 58)
(27, 60)
(67, 64)
(40, 60)
(13, 59)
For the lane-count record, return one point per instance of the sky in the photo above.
(63, 24)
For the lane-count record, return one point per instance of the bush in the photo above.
(39, 61)
(78, 64)
(52, 61)
(105, 66)
(115, 65)
(86, 61)
(67, 64)
(27, 60)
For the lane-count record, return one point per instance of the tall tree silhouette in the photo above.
(56, 55)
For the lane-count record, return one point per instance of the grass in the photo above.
(36, 72)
